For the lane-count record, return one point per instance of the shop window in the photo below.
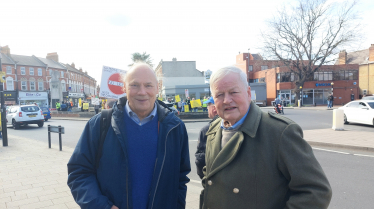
(40, 73)
(8, 70)
(24, 85)
(31, 71)
(9, 83)
(23, 71)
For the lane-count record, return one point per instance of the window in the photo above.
(40, 73)
(8, 70)
(32, 85)
(264, 67)
(63, 85)
(62, 74)
(9, 83)
(250, 68)
(40, 85)
(23, 71)
(24, 85)
(262, 80)
(292, 77)
(50, 72)
(31, 71)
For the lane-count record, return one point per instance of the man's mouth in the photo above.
(229, 108)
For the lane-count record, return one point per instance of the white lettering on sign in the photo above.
(115, 83)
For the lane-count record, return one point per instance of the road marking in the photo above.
(191, 180)
(364, 155)
(327, 150)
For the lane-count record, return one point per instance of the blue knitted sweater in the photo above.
(142, 152)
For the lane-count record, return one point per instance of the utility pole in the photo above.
(3, 111)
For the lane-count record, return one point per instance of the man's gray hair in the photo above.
(136, 65)
(221, 73)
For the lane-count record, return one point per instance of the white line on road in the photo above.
(364, 155)
(327, 150)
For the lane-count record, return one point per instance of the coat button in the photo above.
(210, 182)
(236, 190)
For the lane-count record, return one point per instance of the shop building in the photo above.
(175, 77)
(39, 98)
(340, 80)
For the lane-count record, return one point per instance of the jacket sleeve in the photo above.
(200, 152)
(185, 168)
(82, 172)
(307, 182)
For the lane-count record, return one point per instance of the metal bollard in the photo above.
(59, 137)
(49, 136)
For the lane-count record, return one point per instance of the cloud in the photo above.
(119, 20)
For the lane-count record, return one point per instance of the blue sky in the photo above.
(96, 33)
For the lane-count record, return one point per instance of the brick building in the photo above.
(28, 78)
(341, 80)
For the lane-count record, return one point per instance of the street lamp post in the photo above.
(3, 113)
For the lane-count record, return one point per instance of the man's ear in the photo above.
(124, 87)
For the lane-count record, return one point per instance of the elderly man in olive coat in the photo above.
(256, 159)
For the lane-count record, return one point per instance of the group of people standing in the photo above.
(144, 159)
(65, 105)
(181, 105)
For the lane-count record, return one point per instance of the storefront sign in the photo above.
(323, 84)
(76, 95)
(32, 94)
(10, 96)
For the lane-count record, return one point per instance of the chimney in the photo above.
(371, 53)
(80, 69)
(342, 57)
(174, 59)
(5, 50)
(72, 65)
(52, 56)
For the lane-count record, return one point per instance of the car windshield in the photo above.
(371, 104)
(30, 109)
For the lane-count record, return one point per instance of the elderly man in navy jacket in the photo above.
(145, 156)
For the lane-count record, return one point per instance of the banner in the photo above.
(186, 93)
(80, 103)
(186, 108)
(85, 106)
(195, 103)
(95, 101)
(177, 98)
(111, 85)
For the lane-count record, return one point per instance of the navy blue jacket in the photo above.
(109, 184)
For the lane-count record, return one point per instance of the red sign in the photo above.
(115, 84)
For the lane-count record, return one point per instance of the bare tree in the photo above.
(307, 36)
(138, 57)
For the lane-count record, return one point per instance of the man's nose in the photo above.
(142, 90)
(227, 99)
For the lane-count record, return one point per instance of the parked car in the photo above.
(24, 115)
(46, 113)
(171, 106)
(361, 111)
(368, 98)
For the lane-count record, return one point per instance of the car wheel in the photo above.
(41, 124)
(15, 124)
(345, 119)
(46, 119)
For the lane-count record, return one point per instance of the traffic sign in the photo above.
(115, 85)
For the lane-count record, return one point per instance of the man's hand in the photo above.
(114, 207)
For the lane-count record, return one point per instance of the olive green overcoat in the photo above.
(266, 165)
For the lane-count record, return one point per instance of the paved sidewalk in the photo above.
(33, 176)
